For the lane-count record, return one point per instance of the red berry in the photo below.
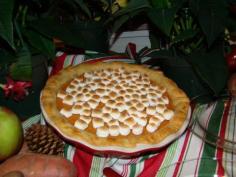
(231, 60)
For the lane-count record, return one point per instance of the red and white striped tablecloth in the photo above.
(188, 155)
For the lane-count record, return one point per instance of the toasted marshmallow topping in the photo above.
(114, 130)
(137, 129)
(115, 114)
(61, 94)
(86, 119)
(168, 114)
(151, 110)
(116, 102)
(151, 127)
(81, 124)
(77, 109)
(124, 129)
(97, 122)
(69, 100)
(102, 131)
(130, 122)
(66, 112)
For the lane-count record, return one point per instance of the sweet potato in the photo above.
(38, 165)
(14, 174)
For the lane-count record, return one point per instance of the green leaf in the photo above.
(163, 18)
(160, 3)
(184, 35)
(122, 20)
(86, 35)
(211, 68)
(84, 7)
(211, 15)
(40, 42)
(22, 69)
(6, 25)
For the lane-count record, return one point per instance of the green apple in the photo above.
(11, 133)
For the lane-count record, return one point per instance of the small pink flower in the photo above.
(16, 89)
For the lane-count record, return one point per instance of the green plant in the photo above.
(30, 27)
(188, 34)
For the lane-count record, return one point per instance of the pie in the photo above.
(114, 104)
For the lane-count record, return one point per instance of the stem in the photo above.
(25, 9)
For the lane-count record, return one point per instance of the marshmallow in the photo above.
(66, 112)
(102, 132)
(160, 116)
(61, 94)
(151, 110)
(87, 96)
(127, 98)
(114, 130)
(154, 120)
(101, 92)
(70, 88)
(97, 122)
(160, 108)
(69, 100)
(168, 114)
(97, 113)
(106, 117)
(152, 102)
(88, 75)
(87, 119)
(79, 97)
(105, 99)
(151, 127)
(80, 124)
(85, 105)
(130, 122)
(113, 122)
(106, 109)
(120, 99)
(124, 129)
(139, 106)
(111, 103)
(123, 116)
(115, 114)
(106, 81)
(165, 99)
(141, 121)
(92, 103)
(96, 97)
(85, 112)
(121, 107)
(137, 129)
(77, 109)
(132, 110)
(112, 95)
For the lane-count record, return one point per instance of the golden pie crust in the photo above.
(178, 102)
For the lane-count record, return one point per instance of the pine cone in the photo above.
(41, 139)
